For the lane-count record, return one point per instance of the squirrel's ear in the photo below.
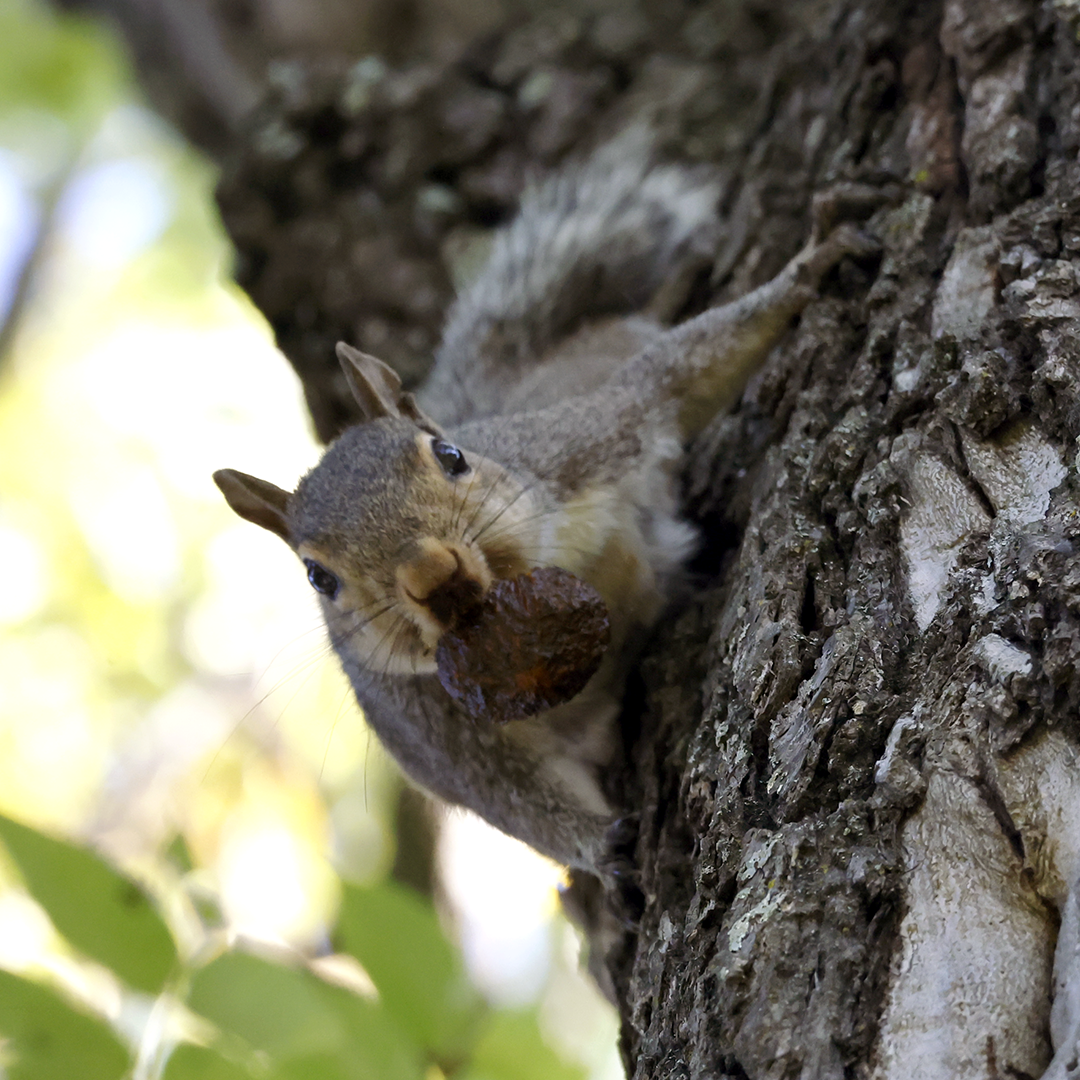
(256, 500)
(377, 387)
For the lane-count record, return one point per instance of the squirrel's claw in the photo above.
(847, 202)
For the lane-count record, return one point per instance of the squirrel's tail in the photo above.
(597, 238)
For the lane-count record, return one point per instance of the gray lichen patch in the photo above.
(1002, 658)
(1041, 784)
(1017, 471)
(968, 918)
(943, 514)
(968, 289)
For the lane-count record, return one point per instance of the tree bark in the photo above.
(855, 765)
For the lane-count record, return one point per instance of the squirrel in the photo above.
(550, 432)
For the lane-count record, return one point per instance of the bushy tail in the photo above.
(597, 238)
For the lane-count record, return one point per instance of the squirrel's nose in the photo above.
(449, 581)
(454, 598)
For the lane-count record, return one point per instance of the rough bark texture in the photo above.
(205, 63)
(854, 767)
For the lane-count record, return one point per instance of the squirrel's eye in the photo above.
(450, 458)
(321, 579)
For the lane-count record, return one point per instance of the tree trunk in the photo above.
(856, 764)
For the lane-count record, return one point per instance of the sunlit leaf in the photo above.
(320, 1067)
(396, 936)
(309, 1028)
(51, 1040)
(67, 64)
(512, 1048)
(202, 1063)
(99, 910)
(272, 1007)
(179, 854)
(377, 1048)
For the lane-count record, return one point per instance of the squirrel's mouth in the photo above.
(442, 585)
(454, 599)
(439, 584)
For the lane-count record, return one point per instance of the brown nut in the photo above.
(533, 643)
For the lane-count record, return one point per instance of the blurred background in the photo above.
(166, 693)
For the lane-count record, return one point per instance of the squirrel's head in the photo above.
(402, 532)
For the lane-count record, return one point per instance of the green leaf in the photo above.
(321, 1067)
(51, 1040)
(99, 910)
(308, 1027)
(189, 1062)
(179, 854)
(271, 1007)
(421, 980)
(512, 1048)
(70, 65)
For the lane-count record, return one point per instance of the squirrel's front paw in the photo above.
(849, 239)
(621, 837)
(849, 202)
(619, 869)
(820, 256)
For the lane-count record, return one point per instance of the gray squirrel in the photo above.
(551, 432)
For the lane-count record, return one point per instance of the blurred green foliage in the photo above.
(53, 1040)
(106, 916)
(268, 1018)
(69, 66)
(141, 979)
(424, 986)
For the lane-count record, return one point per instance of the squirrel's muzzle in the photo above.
(444, 583)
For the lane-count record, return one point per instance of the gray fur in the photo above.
(597, 239)
(357, 487)
(457, 757)
(583, 424)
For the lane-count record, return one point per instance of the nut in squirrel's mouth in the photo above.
(442, 585)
